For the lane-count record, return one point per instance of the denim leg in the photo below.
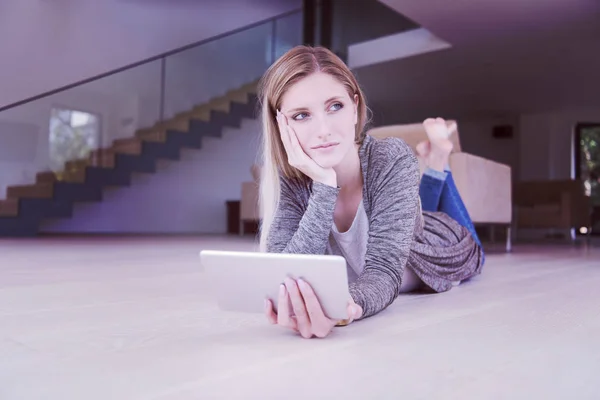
(430, 189)
(452, 204)
(439, 193)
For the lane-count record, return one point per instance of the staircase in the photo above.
(53, 195)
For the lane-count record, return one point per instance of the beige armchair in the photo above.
(484, 185)
(249, 210)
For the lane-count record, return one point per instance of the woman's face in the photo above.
(323, 116)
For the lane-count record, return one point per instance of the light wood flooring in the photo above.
(130, 318)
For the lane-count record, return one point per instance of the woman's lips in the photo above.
(325, 146)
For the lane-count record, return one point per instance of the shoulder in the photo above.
(387, 152)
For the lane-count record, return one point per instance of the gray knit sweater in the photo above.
(437, 248)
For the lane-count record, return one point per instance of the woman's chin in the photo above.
(326, 162)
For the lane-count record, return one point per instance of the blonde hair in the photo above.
(294, 65)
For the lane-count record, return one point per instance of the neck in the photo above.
(349, 172)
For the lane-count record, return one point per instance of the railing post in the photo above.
(309, 8)
(163, 75)
(273, 41)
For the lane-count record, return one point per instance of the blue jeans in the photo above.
(438, 192)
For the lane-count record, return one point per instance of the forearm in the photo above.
(375, 290)
(394, 210)
(309, 234)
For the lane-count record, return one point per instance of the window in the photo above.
(587, 166)
(73, 135)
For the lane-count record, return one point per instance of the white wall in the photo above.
(185, 196)
(476, 138)
(542, 146)
(49, 44)
(546, 148)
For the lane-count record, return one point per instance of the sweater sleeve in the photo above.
(394, 207)
(298, 229)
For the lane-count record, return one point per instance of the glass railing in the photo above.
(45, 133)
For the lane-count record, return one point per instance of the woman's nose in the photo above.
(323, 127)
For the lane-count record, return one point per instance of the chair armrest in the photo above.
(577, 208)
(249, 202)
(485, 187)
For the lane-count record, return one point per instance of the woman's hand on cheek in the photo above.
(300, 310)
(297, 158)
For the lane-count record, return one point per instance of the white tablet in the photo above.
(242, 280)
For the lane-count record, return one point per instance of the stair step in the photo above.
(177, 123)
(102, 158)
(219, 104)
(76, 175)
(46, 208)
(243, 110)
(239, 96)
(9, 208)
(36, 191)
(67, 191)
(135, 163)
(251, 87)
(75, 165)
(18, 226)
(152, 135)
(225, 119)
(169, 151)
(184, 139)
(254, 103)
(45, 177)
(204, 128)
(127, 146)
(107, 177)
(203, 114)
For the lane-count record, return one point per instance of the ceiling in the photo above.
(463, 22)
(507, 57)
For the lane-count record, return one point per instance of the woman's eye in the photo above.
(336, 106)
(303, 115)
(297, 117)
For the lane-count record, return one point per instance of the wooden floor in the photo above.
(129, 318)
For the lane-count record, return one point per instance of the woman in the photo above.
(328, 188)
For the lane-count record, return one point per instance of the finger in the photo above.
(354, 311)
(451, 128)
(321, 325)
(283, 130)
(302, 157)
(292, 138)
(288, 145)
(302, 318)
(283, 309)
(296, 156)
(312, 303)
(270, 313)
